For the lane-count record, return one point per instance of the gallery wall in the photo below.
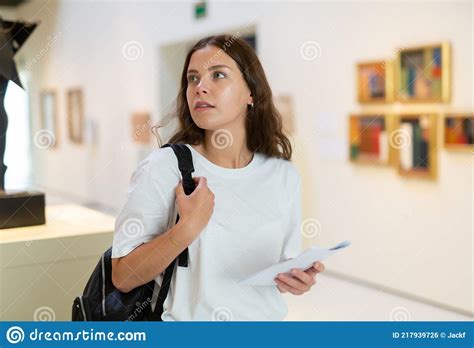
(412, 236)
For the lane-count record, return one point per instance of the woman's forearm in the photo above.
(150, 259)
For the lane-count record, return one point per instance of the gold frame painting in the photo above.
(414, 139)
(369, 139)
(141, 127)
(75, 115)
(423, 74)
(458, 136)
(375, 82)
(49, 114)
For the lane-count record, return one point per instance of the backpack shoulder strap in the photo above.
(185, 164)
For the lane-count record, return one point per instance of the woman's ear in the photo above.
(250, 100)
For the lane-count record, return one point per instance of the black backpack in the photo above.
(101, 301)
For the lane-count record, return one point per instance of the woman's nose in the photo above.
(202, 87)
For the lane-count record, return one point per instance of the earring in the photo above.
(251, 105)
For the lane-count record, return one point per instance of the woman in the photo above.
(245, 213)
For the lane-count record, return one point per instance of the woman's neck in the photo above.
(225, 150)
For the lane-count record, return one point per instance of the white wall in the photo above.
(409, 235)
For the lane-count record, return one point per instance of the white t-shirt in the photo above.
(255, 223)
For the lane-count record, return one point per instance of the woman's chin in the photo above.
(209, 122)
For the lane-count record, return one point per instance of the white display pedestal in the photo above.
(43, 268)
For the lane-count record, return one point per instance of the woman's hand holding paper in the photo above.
(302, 280)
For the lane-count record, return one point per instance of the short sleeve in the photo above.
(292, 245)
(149, 208)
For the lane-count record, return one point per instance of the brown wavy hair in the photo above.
(263, 122)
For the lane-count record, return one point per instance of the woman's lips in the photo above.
(204, 108)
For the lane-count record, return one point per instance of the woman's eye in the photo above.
(191, 78)
(219, 73)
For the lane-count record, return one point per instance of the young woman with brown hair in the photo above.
(245, 213)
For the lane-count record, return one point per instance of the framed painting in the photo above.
(414, 138)
(375, 82)
(458, 131)
(423, 74)
(141, 127)
(369, 139)
(49, 114)
(75, 115)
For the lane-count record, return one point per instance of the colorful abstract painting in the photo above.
(459, 131)
(368, 139)
(414, 138)
(423, 75)
(372, 81)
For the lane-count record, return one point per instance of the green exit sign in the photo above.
(200, 9)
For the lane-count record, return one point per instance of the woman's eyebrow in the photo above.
(214, 67)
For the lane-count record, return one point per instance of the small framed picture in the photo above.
(49, 114)
(141, 127)
(369, 139)
(458, 131)
(423, 74)
(75, 115)
(414, 138)
(375, 82)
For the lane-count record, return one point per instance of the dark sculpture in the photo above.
(25, 208)
(12, 36)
